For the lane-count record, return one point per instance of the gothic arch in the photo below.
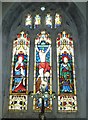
(12, 26)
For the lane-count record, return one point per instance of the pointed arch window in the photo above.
(19, 73)
(43, 70)
(67, 100)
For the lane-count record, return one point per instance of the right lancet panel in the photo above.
(67, 99)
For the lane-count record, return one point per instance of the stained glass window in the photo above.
(19, 73)
(42, 70)
(67, 100)
(58, 20)
(49, 20)
(28, 21)
(37, 21)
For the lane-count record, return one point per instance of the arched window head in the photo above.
(49, 22)
(43, 71)
(19, 73)
(67, 100)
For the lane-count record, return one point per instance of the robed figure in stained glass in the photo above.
(20, 73)
(65, 74)
(28, 21)
(37, 21)
(49, 20)
(58, 20)
(67, 100)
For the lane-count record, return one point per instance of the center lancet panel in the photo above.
(42, 70)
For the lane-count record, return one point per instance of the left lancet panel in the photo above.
(19, 73)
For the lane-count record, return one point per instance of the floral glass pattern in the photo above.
(42, 70)
(67, 99)
(19, 73)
